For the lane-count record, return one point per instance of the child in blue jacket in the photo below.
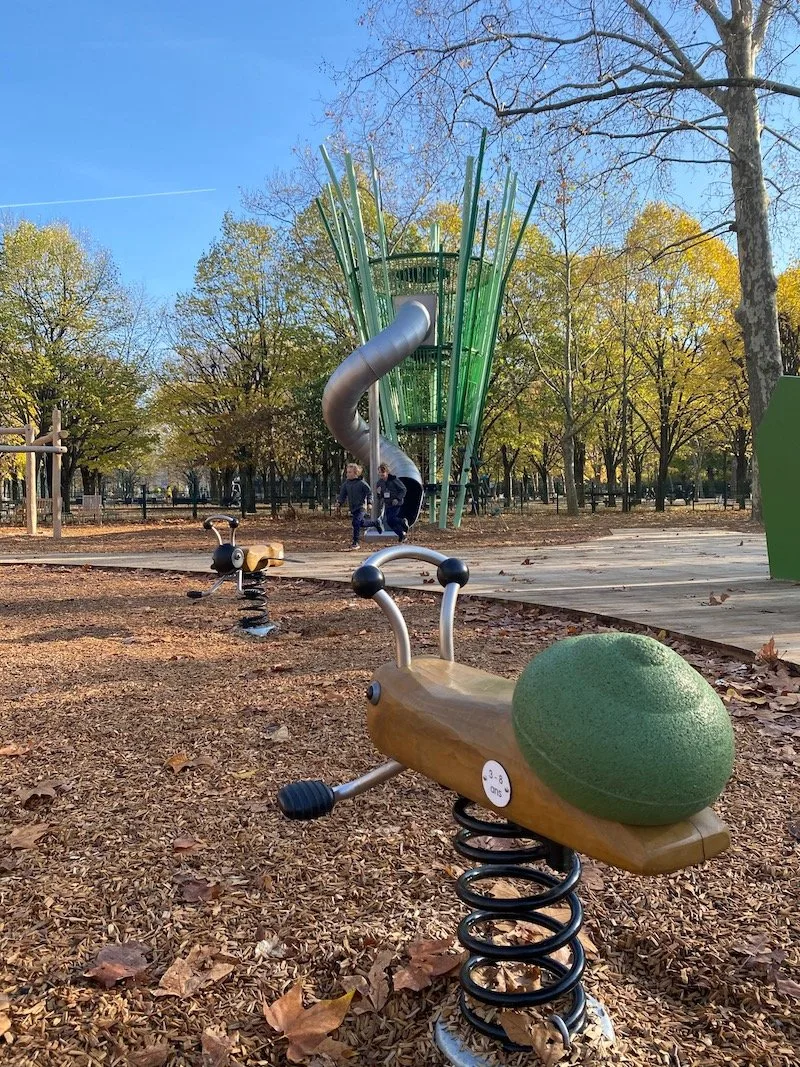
(358, 495)
(391, 493)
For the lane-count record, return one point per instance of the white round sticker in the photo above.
(496, 783)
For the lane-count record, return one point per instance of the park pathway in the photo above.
(710, 584)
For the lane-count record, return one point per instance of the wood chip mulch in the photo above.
(153, 901)
(304, 530)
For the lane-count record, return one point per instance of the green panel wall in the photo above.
(778, 451)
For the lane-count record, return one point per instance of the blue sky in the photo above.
(103, 99)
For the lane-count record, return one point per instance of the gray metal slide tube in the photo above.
(355, 375)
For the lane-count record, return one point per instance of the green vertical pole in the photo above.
(449, 433)
(503, 229)
(500, 278)
(432, 472)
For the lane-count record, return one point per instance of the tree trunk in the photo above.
(508, 458)
(273, 489)
(740, 465)
(248, 472)
(757, 313)
(568, 458)
(580, 471)
(610, 463)
(637, 462)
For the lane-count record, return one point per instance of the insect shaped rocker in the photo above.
(608, 744)
(244, 566)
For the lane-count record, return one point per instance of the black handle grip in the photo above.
(306, 800)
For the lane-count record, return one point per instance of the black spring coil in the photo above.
(553, 889)
(256, 596)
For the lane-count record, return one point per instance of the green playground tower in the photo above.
(435, 398)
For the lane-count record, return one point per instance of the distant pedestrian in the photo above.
(391, 493)
(358, 496)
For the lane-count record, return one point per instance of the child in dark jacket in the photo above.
(391, 492)
(358, 495)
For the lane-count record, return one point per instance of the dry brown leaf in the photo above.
(374, 988)
(187, 845)
(46, 790)
(712, 599)
(546, 1042)
(153, 1056)
(216, 1046)
(5, 1023)
(270, 948)
(28, 835)
(13, 749)
(182, 762)
(592, 877)
(768, 653)
(517, 1026)
(194, 890)
(788, 987)
(331, 1050)
(306, 1028)
(276, 733)
(204, 966)
(116, 962)
(428, 960)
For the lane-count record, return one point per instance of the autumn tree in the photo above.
(681, 333)
(242, 348)
(71, 336)
(657, 83)
(789, 318)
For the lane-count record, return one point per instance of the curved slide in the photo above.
(353, 377)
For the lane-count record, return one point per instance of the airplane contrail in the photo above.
(98, 199)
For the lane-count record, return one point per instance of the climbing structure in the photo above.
(436, 397)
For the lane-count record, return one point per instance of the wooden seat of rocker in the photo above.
(446, 720)
(259, 557)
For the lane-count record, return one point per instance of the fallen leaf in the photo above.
(14, 749)
(712, 599)
(374, 988)
(182, 762)
(197, 889)
(788, 987)
(527, 562)
(41, 791)
(186, 845)
(116, 962)
(204, 966)
(270, 948)
(281, 668)
(591, 876)
(5, 1023)
(306, 1028)
(153, 1056)
(276, 733)
(768, 653)
(216, 1046)
(243, 775)
(429, 960)
(27, 836)
(517, 1026)
(548, 1045)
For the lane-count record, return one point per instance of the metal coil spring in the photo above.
(257, 622)
(485, 953)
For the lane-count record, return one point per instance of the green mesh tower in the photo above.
(438, 393)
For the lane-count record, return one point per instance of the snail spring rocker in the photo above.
(245, 567)
(608, 744)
